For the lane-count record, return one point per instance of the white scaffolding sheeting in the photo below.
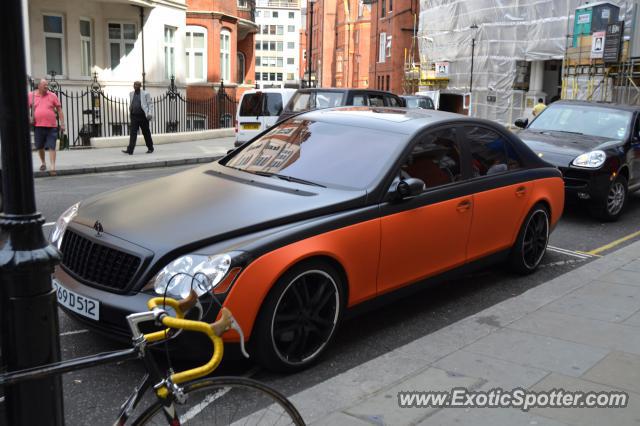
(507, 31)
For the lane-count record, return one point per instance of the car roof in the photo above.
(343, 90)
(270, 90)
(609, 105)
(394, 120)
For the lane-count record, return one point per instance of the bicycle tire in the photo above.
(265, 405)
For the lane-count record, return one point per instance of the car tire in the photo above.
(611, 207)
(531, 244)
(299, 317)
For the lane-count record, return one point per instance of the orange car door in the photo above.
(502, 192)
(428, 233)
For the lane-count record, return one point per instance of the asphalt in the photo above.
(98, 160)
(577, 332)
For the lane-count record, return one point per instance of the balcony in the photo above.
(279, 4)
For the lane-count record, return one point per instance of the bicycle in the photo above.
(182, 397)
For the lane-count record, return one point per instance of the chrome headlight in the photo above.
(193, 271)
(593, 159)
(61, 224)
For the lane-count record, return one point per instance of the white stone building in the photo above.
(278, 59)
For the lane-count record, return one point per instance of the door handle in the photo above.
(521, 191)
(463, 206)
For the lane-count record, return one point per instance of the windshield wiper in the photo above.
(566, 131)
(288, 178)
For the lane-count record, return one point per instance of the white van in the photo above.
(258, 110)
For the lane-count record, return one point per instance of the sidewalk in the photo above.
(81, 161)
(578, 332)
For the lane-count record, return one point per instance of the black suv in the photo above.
(318, 98)
(596, 146)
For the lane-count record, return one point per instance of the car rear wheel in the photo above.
(299, 317)
(610, 208)
(531, 244)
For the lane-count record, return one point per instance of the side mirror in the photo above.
(522, 123)
(408, 188)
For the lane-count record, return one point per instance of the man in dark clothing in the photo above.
(141, 111)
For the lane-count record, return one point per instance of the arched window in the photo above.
(240, 68)
(196, 53)
(225, 55)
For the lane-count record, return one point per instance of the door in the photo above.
(633, 155)
(501, 197)
(427, 234)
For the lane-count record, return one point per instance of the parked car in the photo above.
(318, 98)
(418, 101)
(321, 213)
(258, 110)
(596, 146)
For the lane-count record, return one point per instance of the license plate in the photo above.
(251, 126)
(81, 305)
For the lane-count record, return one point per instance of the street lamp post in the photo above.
(28, 309)
(310, 26)
(473, 48)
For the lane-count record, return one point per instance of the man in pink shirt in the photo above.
(44, 105)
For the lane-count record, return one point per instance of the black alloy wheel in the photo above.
(611, 207)
(532, 241)
(299, 317)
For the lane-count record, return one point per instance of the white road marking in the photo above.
(563, 262)
(70, 333)
(577, 254)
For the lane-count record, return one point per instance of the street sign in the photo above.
(612, 42)
(597, 44)
(442, 69)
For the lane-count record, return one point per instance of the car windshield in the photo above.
(322, 153)
(304, 101)
(584, 119)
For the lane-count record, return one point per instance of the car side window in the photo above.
(435, 159)
(391, 101)
(430, 104)
(359, 100)
(636, 131)
(376, 100)
(491, 152)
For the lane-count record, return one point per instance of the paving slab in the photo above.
(629, 415)
(543, 352)
(621, 276)
(604, 334)
(384, 407)
(600, 300)
(618, 369)
(341, 419)
(633, 320)
(487, 417)
(499, 373)
(632, 266)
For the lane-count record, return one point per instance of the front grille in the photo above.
(96, 264)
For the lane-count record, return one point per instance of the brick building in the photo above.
(219, 46)
(392, 29)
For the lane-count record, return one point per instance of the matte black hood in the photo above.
(205, 205)
(560, 148)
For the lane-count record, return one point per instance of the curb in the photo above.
(132, 166)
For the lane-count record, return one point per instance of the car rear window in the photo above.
(260, 103)
(329, 154)
(304, 101)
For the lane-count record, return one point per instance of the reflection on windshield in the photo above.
(321, 153)
(594, 121)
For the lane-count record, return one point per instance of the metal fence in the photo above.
(91, 112)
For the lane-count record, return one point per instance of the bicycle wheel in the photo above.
(227, 401)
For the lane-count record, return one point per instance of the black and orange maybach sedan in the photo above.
(324, 211)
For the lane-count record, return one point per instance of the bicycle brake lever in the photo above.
(235, 326)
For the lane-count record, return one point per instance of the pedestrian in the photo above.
(539, 107)
(141, 111)
(45, 111)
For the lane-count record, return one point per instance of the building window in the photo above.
(258, 45)
(243, 3)
(387, 81)
(381, 47)
(258, 13)
(272, 76)
(272, 29)
(280, 30)
(289, 76)
(265, 29)
(265, 45)
(280, 45)
(240, 66)
(122, 38)
(225, 55)
(383, 10)
(388, 47)
(279, 62)
(86, 48)
(258, 61)
(292, 15)
(291, 28)
(54, 43)
(360, 8)
(272, 45)
(291, 45)
(390, 6)
(169, 52)
(274, 14)
(279, 76)
(257, 76)
(196, 53)
(265, 76)
(290, 61)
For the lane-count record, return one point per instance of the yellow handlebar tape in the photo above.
(184, 324)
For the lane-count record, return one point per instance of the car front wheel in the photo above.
(610, 208)
(531, 244)
(299, 317)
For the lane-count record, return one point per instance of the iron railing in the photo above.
(91, 112)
